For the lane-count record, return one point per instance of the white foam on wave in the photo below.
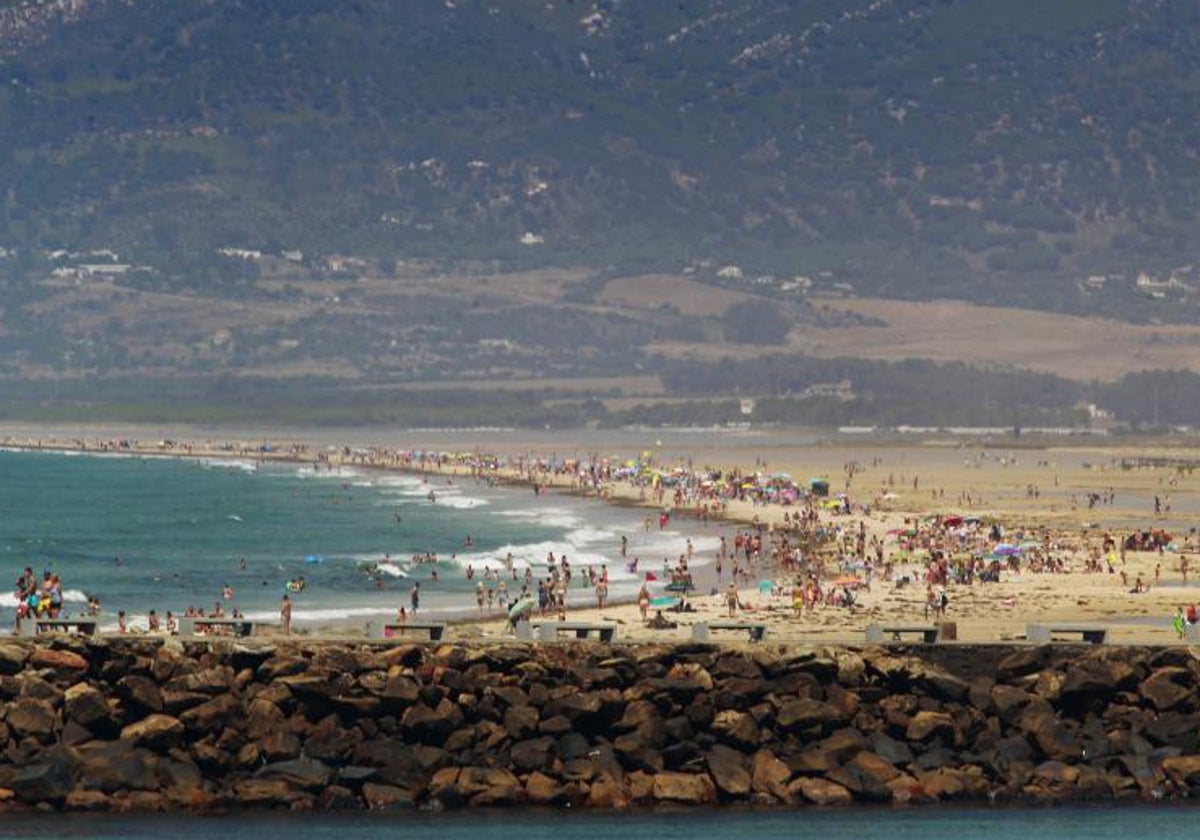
(321, 614)
(400, 481)
(551, 517)
(226, 464)
(461, 502)
(75, 596)
(583, 538)
(335, 474)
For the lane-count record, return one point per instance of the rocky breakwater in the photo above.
(139, 724)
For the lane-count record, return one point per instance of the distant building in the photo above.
(104, 269)
(842, 390)
(241, 253)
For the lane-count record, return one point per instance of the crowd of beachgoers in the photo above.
(792, 546)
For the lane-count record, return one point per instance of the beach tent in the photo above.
(818, 486)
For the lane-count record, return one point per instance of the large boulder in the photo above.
(636, 753)
(12, 658)
(769, 775)
(156, 732)
(532, 754)
(804, 713)
(58, 660)
(84, 705)
(211, 715)
(264, 793)
(141, 693)
(926, 726)
(684, 788)
(386, 797)
(1183, 770)
(520, 721)
(942, 684)
(28, 716)
(606, 793)
(118, 765)
(262, 718)
(1012, 702)
(1028, 660)
(303, 773)
(863, 782)
(48, 780)
(728, 769)
(820, 791)
(738, 729)
(329, 741)
(1054, 740)
(490, 786)
(1167, 688)
(216, 680)
(1095, 678)
(541, 789)
(431, 726)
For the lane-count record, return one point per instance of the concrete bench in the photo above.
(701, 630)
(432, 629)
(37, 626)
(550, 630)
(191, 625)
(1041, 634)
(881, 633)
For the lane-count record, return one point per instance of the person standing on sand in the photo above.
(731, 599)
(643, 600)
(285, 614)
(560, 599)
(414, 597)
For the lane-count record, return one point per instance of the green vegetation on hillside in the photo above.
(1000, 152)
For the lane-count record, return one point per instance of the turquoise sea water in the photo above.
(1119, 823)
(166, 533)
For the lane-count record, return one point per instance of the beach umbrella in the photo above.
(663, 601)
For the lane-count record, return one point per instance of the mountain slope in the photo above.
(995, 152)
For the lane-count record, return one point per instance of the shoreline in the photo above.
(991, 612)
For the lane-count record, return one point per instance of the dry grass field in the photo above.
(166, 331)
(650, 291)
(1073, 347)
(1070, 346)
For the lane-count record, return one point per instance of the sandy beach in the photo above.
(1066, 498)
